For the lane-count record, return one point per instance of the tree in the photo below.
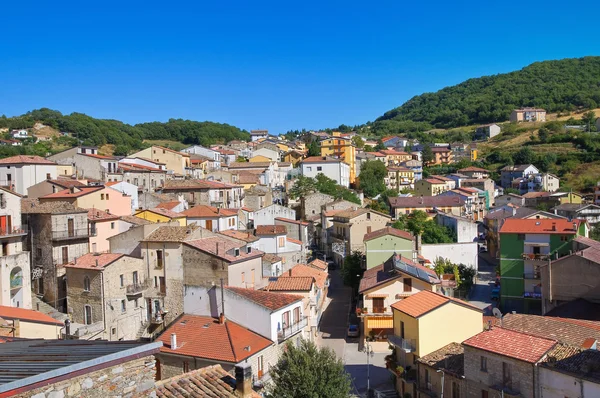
(302, 187)
(369, 148)
(309, 371)
(418, 223)
(121, 150)
(329, 186)
(358, 141)
(427, 154)
(595, 233)
(314, 149)
(524, 156)
(380, 145)
(589, 120)
(371, 177)
(352, 269)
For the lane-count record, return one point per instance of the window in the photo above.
(520, 236)
(123, 305)
(159, 258)
(308, 168)
(94, 247)
(378, 305)
(112, 225)
(65, 255)
(506, 375)
(136, 303)
(369, 229)
(319, 168)
(368, 216)
(87, 314)
(48, 176)
(122, 280)
(243, 277)
(407, 285)
(135, 277)
(427, 378)
(252, 276)
(114, 330)
(86, 283)
(483, 362)
(186, 364)
(484, 394)
(260, 367)
(282, 241)
(101, 196)
(106, 196)
(455, 390)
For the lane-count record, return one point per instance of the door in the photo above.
(159, 258)
(149, 309)
(378, 305)
(296, 315)
(3, 225)
(260, 367)
(286, 320)
(65, 255)
(135, 278)
(163, 285)
(71, 227)
(209, 225)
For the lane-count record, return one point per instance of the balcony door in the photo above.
(5, 224)
(285, 319)
(65, 255)
(71, 227)
(209, 225)
(378, 305)
(296, 315)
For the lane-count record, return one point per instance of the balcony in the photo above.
(295, 328)
(508, 388)
(535, 256)
(14, 231)
(71, 234)
(136, 289)
(531, 275)
(156, 319)
(407, 345)
(532, 295)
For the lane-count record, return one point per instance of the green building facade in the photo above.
(382, 244)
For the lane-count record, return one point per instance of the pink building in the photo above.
(103, 198)
(103, 225)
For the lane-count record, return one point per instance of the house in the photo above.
(128, 189)
(430, 187)
(349, 229)
(399, 178)
(526, 246)
(442, 370)
(475, 202)
(256, 135)
(381, 286)
(298, 230)
(106, 296)
(268, 155)
(75, 365)
(20, 172)
(310, 204)
(502, 362)
(315, 299)
(394, 142)
(589, 212)
(267, 215)
(11, 143)
(381, 244)
(25, 323)
(510, 173)
(341, 148)
(487, 131)
(257, 197)
(227, 156)
(144, 175)
(486, 185)
(175, 162)
(20, 134)
(395, 158)
(160, 215)
(528, 115)
(441, 155)
(206, 192)
(47, 187)
(475, 172)
(294, 157)
(465, 229)
(210, 378)
(273, 239)
(333, 168)
(61, 235)
(537, 182)
(273, 174)
(326, 217)
(463, 151)
(97, 167)
(417, 319)
(103, 225)
(447, 204)
(208, 260)
(212, 218)
(211, 154)
(511, 198)
(416, 166)
(97, 197)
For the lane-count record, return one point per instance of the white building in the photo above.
(273, 239)
(267, 215)
(259, 134)
(212, 218)
(20, 172)
(333, 168)
(20, 134)
(268, 153)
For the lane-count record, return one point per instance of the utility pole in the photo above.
(369, 353)
(222, 299)
(442, 392)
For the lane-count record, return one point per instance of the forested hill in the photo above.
(556, 86)
(92, 131)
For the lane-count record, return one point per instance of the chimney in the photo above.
(221, 318)
(554, 226)
(72, 189)
(67, 328)
(290, 272)
(574, 226)
(97, 263)
(243, 381)
(173, 341)
(17, 328)
(415, 256)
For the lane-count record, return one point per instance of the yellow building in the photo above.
(173, 160)
(399, 178)
(430, 187)
(294, 157)
(161, 215)
(29, 324)
(259, 158)
(474, 153)
(341, 148)
(283, 146)
(425, 322)
(394, 158)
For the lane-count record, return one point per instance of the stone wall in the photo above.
(134, 378)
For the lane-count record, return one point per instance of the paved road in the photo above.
(333, 328)
(480, 294)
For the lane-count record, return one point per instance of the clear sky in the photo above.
(276, 65)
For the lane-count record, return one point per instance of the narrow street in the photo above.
(333, 328)
(482, 290)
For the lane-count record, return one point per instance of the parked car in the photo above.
(353, 331)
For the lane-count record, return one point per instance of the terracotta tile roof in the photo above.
(331, 213)
(318, 264)
(287, 220)
(247, 165)
(245, 236)
(208, 382)
(248, 178)
(388, 231)
(170, 234)
(146, 159)
(574, 361)
(67, 194)
(450, 358)
(271, 230)
(539, 226)
(89, 261)
(196, 184)
(224, 249)
(25, 159)
(439, 149)
(135, 220)
(270, 300)
(426, 202)
(93, 155)
(201, 211)
(425, 301)
(353, 212)
(23, 314)
(271, 258)
(138, 167)
(100, 215)
(473, 169)
(67, 183)
(171, 150)
(392, 152)
(296, 241)
(565, 330)
(533, 195)
(162, 212)
(320, 159)
(33, 206)
(169, 205)
(227, 342)
(291, 284)
(509, 343)
(111, 183)
(302, 270)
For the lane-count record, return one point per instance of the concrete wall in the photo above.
(553, 384)
(380, 249)
(458, 253)
(24, 176)
(465, 229)
(311, 204)
(267, 215)
(15, 264)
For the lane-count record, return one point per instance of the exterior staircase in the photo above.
(45, 308)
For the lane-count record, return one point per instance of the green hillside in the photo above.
(557, 86)
(125, 137)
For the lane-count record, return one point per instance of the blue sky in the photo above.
(276, 65)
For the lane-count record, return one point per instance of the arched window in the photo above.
(86, 283)
(87, 314)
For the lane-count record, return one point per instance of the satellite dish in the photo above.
(497, 313)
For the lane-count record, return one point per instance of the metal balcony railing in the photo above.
(534, 295)
(535, 256)
(137, 288)
(70, 234)
(408, 345)
(14, 231)
(291, 330)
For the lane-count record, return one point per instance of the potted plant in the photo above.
(399, 370)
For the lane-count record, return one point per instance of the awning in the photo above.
(538, 244)
(377, 295)
(380, 323)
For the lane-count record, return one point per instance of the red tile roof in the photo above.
(270, 300)
(245, 236)
(67, 183)
(25, 159)
(392, 152)
(473, 169)
(388, 231)
(100, 215)
(539, 226)
(169, 205)
(291, 284)
(319, 264)
(93, 155)
(271, 230)
(137, 167)
(509, 343)
(219, 246)
(301, 270)
(296, 241)
(196, 184)
(89, 261)
(66, 193)
(203, 337)
(425, 301)
(23, 314)
(426, 202)
(287, 220)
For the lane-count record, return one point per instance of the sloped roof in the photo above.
(318, 264)
(291, 284)
(270, 300)
(321, 159)
(271, 230)
(94, 261)
(79, 191)
(539, 226)
(426, 201)
(219, 246)
(162, 212)
(135, 220)
(425, 301)
(245, 236)
(401, 266)
(23, 314)
(450, 358)
(33, 206)
(388, 231)
(170, 205)
(319, 276)
(25, 159)
(170, 234)
(100, 215)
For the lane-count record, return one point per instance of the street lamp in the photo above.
(370, 354)
(442, 372)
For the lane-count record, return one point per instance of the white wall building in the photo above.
(457, 253)
(267, 215)
(20, 172)
(333, 168)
